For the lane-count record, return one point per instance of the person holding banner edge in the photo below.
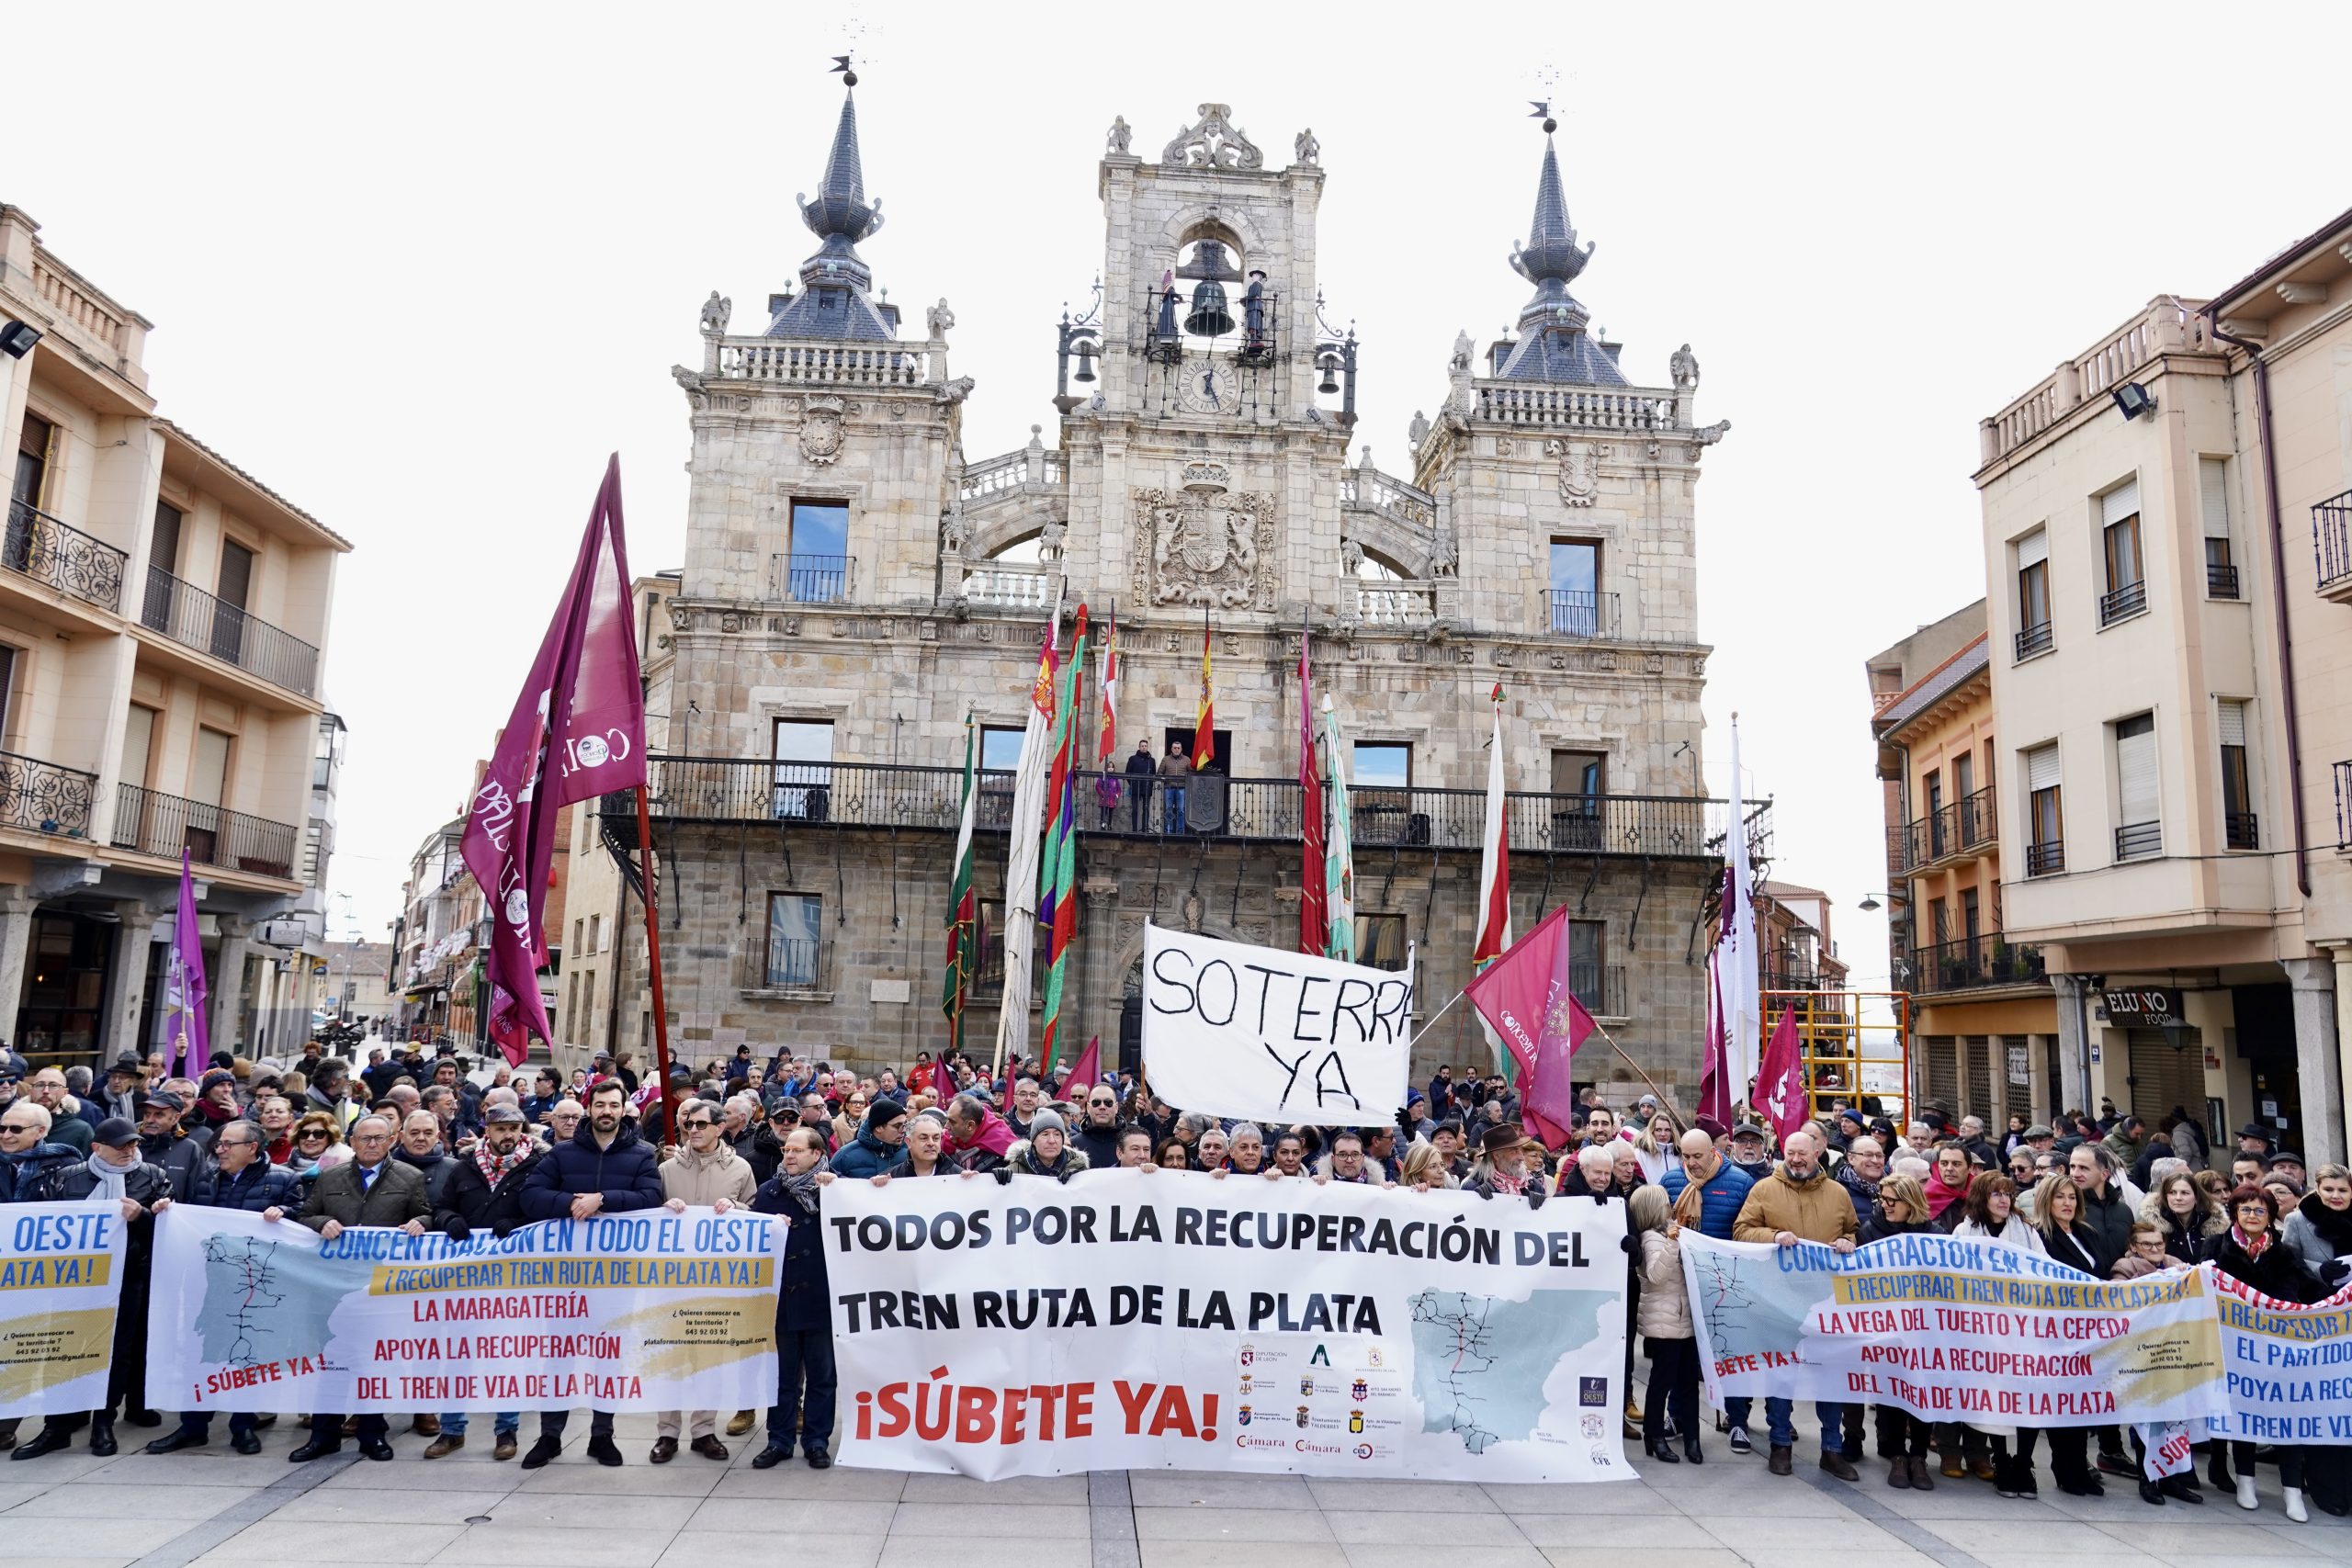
(1800, 1202)
(806, 1378)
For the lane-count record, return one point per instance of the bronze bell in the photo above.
(1085, 371)
(1330, 366)
(1208, 317)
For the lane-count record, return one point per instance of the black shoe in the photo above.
(266, 1422)
(102, 1435)
(245, 1442)
(2086, 1485)
(47, 1440)
(1691, 1450)
(2182, 1488)
(546, 1449)
(317, 1448)
(2149, 1494)
(819, 1460)
(772, 1455)
(143, 1417)
(2118, 1464)
(2217, 1470)
(172, 1443)
(1663, 1451)
(604, 1451)
(377, 1449)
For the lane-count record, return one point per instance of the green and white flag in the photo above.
(1339, 850)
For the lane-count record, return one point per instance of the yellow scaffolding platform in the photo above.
(1856, 1046)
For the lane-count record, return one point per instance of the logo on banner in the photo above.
(1302, 1415)
(1360, 1390)
(1245, 1416)
(1306, 1387)
(1592, 1391)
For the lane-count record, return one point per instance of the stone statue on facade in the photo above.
(956, 391)
(1306, 148)
(953, 532)
(1685, 366)
(716, 312)
(1419, 430)
(940, 320)
(1445, 556)
(1122, 135)
(1350, 558)
(1049, 539)
(1459, 398)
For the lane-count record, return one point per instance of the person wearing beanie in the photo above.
(881, 1139)
(1045, 1152)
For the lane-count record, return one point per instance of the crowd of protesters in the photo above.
(421, 1144)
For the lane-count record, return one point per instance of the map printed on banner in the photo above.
(1953, 1330)
(61, 1284)
(1145, 1318)
(641, 1311)
(1278, 1037)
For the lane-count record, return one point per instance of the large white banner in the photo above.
(1280, 1037)
(641, 1311)
(1141, 1318)
(2290, 1367)
(60, 1283)
(1953, 1330)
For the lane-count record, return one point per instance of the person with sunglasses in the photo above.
(314, 1140)
(1097, 1135)
(704, 1174)
(27, 1152)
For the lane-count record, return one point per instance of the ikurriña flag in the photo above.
(577, 730)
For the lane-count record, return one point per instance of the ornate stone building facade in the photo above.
(854, 586)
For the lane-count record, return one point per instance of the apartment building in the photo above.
(1983, 1021)
(163, 614)
(440, 944)
(2166, 662)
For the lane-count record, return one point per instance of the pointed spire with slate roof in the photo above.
(1554, 344)
(833, 302)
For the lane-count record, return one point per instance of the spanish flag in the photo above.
(1205, 721)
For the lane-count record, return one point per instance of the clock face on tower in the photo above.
(1206, 386)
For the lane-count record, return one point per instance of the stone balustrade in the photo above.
(2166, 325)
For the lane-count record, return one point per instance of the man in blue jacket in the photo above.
(606, 1169)
(881, 1140)
(1723, 1188)
(804, 1314)
(235, 1175)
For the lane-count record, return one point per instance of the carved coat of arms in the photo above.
(820, 430)
(1206, 544)
(1579, 470)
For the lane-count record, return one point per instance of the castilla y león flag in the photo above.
(1528, 998)
(577, 730)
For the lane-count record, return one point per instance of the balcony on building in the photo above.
(1967, 963)
(149, 822)
(2332, 547)
(195, 619)
(52, 552)
(714, 790)
(1962, 830)
(41, 797)
(795, 579)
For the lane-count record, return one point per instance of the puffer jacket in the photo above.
(1812, 1210)
(701, 1180)
(257, 1187)
(1665, 1308)
(1022, 1160)
(21, 1175)
(865, 1155)
(626, 1175)
(1720, 1197)
(2109, 1219)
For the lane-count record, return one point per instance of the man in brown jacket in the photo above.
(705, 1174)
(1799, 1201)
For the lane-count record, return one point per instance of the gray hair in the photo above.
(385, 1122)
(967, 1107)
(39, 1114)
(1249, 1129)
(1597, 1159)
(1197, 1122)
(1858, 1142)
(2108, 1164)
(1911, 1166)
(2170, 1165)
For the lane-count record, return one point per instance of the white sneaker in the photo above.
(2295, 1509)
(2246, 1499)
(1740, 1443)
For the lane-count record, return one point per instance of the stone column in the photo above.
(2073, 1048)
(226, 1023)
(16, 905)
(2317, 1069)
(127, 985)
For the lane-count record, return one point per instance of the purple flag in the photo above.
(183, 989)
(577, 730)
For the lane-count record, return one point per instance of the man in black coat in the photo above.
(606, 1169)
(804, 1318)
(113, 1173)
(1098, 1131)
(237, 1175)
(372, 1189)
(484, 1192)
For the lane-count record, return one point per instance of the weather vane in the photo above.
(842, 69)
(1548, 80)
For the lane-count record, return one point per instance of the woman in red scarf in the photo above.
(2251, 1253)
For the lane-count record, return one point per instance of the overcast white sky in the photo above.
(421, 267)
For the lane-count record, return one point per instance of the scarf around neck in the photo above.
(2252, 1245)
(110, 1178)
(494, 1168)
(802, 1188)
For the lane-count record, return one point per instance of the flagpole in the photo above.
(1664, 1100)
(653, 967)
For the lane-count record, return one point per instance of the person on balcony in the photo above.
(1174, 769)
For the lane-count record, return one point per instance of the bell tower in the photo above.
(1208, 348)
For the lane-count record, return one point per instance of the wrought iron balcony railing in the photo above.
(45, 798)
(2221, 581)
(2033, 639)
(2045, 858)
(878, 794)
(2332, 543)
(154, 823)
(1965, 827)
(1573, 612)
(811, 579)
(65, 558)
(1987, 959)
(2241, 830)
(2122, 603)
(2138, 841)
(190, 616)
